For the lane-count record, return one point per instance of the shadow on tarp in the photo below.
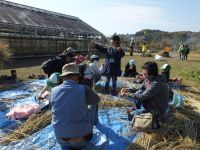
(112, 133)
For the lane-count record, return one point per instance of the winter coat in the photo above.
(130, 71)
(155, 98)
(113, 60)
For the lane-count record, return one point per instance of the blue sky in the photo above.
(128, 16)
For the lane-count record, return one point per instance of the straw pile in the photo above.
(107, 101)
(181, 131)
(33, 124)
(5, 53)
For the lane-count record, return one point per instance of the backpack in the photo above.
(52, 65)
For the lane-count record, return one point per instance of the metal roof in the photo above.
(17, 14)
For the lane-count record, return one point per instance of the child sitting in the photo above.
(166, 73)
(92, 72)
(130, 69)
(53, 81)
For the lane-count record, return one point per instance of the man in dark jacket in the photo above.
(154, 93)
(112, 62)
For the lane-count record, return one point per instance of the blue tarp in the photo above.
(120, 83)
(112, 133)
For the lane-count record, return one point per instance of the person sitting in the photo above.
(92, 73)
(68, 55)
(73, 110)
(153, 96)
(55, 64)
(165, 71)
(52, 81)
(130, 69)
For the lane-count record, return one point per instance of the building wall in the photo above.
(23, 46)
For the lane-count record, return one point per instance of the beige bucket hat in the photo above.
(70, 68)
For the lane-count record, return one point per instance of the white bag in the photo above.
(158, 57)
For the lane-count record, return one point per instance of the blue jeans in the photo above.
(138, 111)
(96, 120)
(114, 82)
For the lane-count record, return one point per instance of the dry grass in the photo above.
(5, 52)
(177, 66)
(180, 132)
(34, 123)
(107, 101)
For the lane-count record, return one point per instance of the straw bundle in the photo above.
(179, 132)
(107, 101)
(5, 53)
(33, 124)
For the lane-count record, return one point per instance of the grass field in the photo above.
(178, 66)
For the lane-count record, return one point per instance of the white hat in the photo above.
(94, 57)
(54, 79)
(131, 62)
(166, 67)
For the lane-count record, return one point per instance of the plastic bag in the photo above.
(158, 58)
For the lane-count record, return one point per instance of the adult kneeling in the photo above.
(73, 110)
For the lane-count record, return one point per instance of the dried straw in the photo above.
(5, 53)
(181, 131)
(33, 124)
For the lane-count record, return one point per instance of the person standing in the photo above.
(187, 51)
(144, 49)
(112, 62)
(73, 110)
(181, 51)
(132, 44)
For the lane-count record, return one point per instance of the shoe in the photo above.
(114, 93)
(130, 117)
